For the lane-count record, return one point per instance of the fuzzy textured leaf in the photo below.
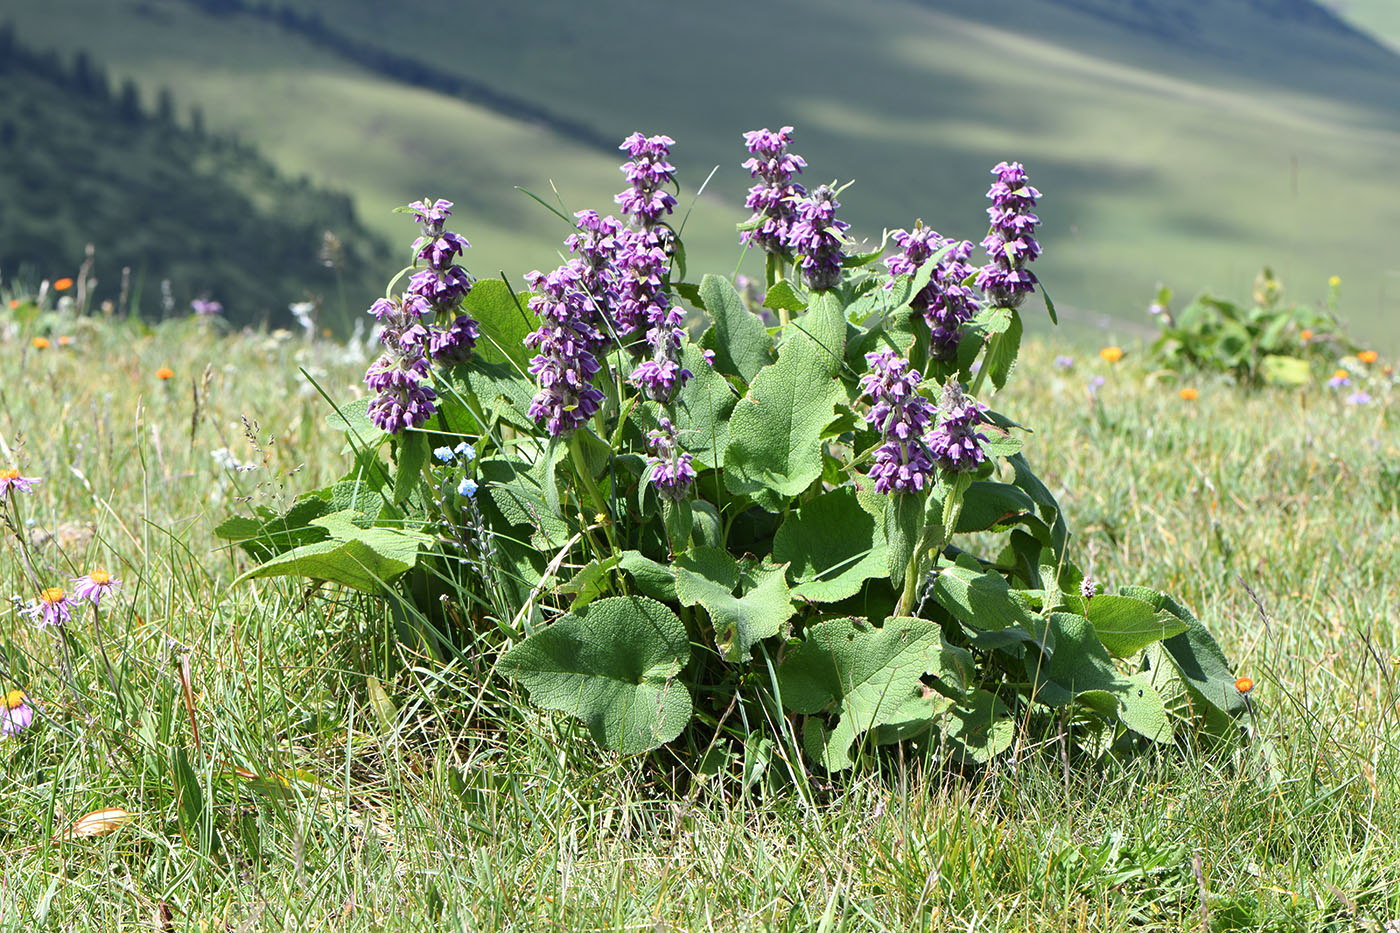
(832, 546)
(709, 577)
(614, 665)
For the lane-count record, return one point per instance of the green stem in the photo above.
(599, 502)
(981, 375)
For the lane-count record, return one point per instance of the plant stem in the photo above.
(599, 502)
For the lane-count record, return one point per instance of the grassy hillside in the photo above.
(84, 163)
(1192, 155)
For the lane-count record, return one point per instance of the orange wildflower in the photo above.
(63, 284)
(40, 343)
(1368, 356)
(1111, 354)
(1306, 334)
(14, 303)
(64, 341)
(1189, 394)
(1341, 374)
(164, 373)
(1244, 685)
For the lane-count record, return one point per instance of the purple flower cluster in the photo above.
(442, 284)
(671, 470)
(773, 200)
(205, 307)
(945, 302)
(956, 444)
(422, 326)
(565, 343)
(648, 173)
(815, 239)
(1011, 243)
(399, 377)
(903, 462)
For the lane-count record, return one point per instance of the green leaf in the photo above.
(1126, 625)
(710, 577)
(740, 340)
(384, 709)
(269, 535)
(1026, 480)
(1201, 663)
(1001, 356)
(353, 419)
(590, 582)
(652, 579)
(412, 454)
(982, 729)
(364, 559)
(832, 546)
(1055, 318)
(988, 504)
(1080, 665)
(503, 392)
(865, 676)
(981, 600)
(505, 320)
(703, 410)
(1285, 371)
(824, 324)
(615, 665)
(782, 297)
(775, 447)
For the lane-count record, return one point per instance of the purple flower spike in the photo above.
(774, 200)
(671, 470)
(1011, 243)
(956, 444)
(441, 285)
(566, 342)
(816, 241)
(903, 462)
(648, 173)
(945, 303)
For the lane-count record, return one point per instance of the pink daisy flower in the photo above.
(15, 713)
(10, 479)
(94, 585)
(51, 608)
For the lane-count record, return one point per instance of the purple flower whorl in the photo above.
(815, 239)
(773, 201)
(672, 472)
(400, 375)
(442, 284)
(945, 302)
(902, 463)
(565, 343)
(956, 444)
(1011, 243)
(648, 173)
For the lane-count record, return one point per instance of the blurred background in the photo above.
(252, 151)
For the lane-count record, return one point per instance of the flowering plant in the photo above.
(1269, 341)
(670, 520)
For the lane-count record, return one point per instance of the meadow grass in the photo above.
(340, 780)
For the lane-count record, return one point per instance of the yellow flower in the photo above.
(1111, 354)
(1334, 281)
(40, 343)
(1189, 394)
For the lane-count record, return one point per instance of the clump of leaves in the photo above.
(1270, 341)
(817, 537)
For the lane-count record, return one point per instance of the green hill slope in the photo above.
(81, 164)
(1192, 154)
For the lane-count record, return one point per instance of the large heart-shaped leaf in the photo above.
(710, 577)
(981, 600)
(613, 664)
(865, 676)
(775, 446)
(832, 546)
